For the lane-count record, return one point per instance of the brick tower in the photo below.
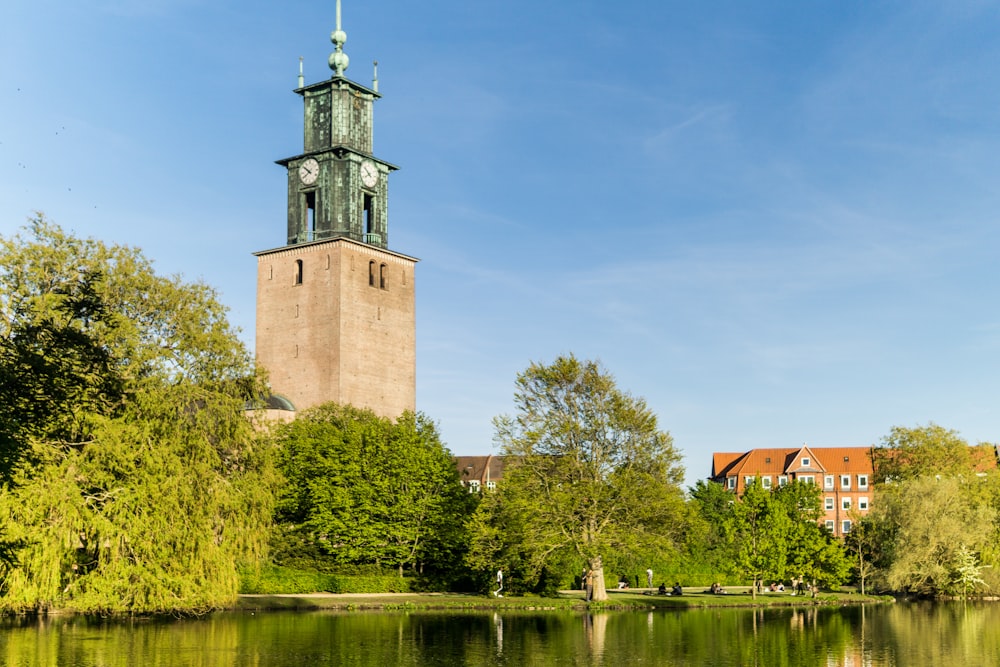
(335, 307)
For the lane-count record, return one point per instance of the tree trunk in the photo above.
(596, 589)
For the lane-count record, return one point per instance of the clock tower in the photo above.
(335, 307)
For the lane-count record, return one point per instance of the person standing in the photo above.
(649, 577)
(496, 593)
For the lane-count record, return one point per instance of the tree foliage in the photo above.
(588, 472)
(131, 480)
(934, 523)
(769, 534)
(361, 489)
(907, 453)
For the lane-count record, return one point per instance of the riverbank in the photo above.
(567, 600)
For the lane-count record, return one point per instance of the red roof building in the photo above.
(843, 474)
(479, 473)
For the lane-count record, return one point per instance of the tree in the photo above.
(864, 543)
(709, 540)
(813, 554)
(362, 489)
(935, 523)
(588, 472)
(126, 394)
(759, 525)
(907, 453)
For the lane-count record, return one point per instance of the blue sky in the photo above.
(775, 221)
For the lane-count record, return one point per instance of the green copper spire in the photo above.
(338, 59)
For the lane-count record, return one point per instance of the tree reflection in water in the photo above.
(879, 636)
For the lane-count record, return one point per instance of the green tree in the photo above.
(588, 473)
(759, 525)
(812, 553)
(708, 540)
(864, 544)
(927, 450)
(362, 489)
(933, 523)
(131, 480)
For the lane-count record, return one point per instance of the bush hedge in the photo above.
(274, 580)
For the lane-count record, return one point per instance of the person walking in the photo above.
(649, 577)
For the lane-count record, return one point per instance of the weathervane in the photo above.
(338, 59)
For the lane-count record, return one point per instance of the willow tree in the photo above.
(587, 470)
(131, 480)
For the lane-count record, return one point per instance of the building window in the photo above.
(863, 504)
(807, 479)
(474, 486)
(731, 482)
(845, 481)
(828, 503)
(782, 480)
(765, 482)
(829, 525)
(828, 482)
(298, 272)
(845, 504)
(845, 526)
(748, 480)
(368, 214)
(805, 463)
(371, 273)
(862, 481)
(310, 211)
(381, 276)
(491, 486)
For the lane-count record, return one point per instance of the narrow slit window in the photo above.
(371, 274)
(298, 272)
(381, 276)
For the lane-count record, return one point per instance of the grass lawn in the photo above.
(567, 600)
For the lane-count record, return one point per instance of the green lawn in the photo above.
(568, 600)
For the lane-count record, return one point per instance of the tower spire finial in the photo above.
(338, 59)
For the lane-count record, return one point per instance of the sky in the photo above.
(776, 222)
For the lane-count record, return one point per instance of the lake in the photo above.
(879, 635)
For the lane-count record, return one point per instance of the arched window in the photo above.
(371, 273)
(298, 272)
(381, 276)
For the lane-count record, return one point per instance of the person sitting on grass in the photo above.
(676, 590)
(662, 590)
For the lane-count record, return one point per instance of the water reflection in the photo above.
(881, 636)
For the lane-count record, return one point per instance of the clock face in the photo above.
(309, 171)
(369, 173)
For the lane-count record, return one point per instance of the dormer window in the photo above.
(805, 462)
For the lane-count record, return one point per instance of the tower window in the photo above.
(368, 219)
(371, 273)
(298, 272)
(310, 211)
(381, 276)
